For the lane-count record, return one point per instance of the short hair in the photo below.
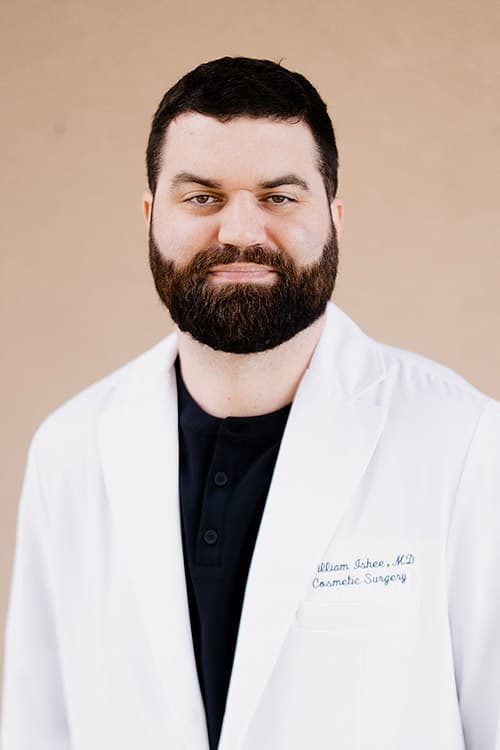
(241, 86)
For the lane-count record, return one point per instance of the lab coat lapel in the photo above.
(333, 428)
(139, 450)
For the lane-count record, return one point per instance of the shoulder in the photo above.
(438, 397)
(416, 389)
(426, 375)
(76, 418)
(359, 360)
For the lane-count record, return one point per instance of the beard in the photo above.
(244, 318)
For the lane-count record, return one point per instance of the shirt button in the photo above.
(210, 536)
(220, 478)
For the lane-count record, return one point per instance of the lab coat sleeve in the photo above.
(474, 586)
(33, 706)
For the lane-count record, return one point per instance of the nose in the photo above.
(241, 222)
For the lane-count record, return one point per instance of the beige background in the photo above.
(413, 89)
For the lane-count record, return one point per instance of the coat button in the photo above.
(220, 478)
(210, 536)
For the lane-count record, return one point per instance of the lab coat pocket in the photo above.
(352, 616)
(356, 653)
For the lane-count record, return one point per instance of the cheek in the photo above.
(179, 238)
(302, 241)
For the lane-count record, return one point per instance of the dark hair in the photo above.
(241, 86)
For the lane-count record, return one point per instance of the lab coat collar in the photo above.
(334, 424)
(139, 453)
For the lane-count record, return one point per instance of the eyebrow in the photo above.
(287, 179)
(183, 177)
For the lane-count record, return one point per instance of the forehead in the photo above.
(260, 146)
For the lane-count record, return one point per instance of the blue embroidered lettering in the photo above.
(367, 563)
(318, 583)
(404, 560)
(327, 567)
(386, 580)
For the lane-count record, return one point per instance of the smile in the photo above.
(242, 272)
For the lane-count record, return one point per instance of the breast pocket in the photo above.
(357, 616)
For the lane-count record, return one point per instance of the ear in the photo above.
(147, 206)
(337, 211)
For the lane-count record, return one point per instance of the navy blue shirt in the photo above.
(225, 469)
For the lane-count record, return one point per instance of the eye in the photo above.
(202, 199)
(279, 200)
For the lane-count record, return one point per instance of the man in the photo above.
(269, 531)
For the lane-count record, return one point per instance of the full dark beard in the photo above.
(243, 318)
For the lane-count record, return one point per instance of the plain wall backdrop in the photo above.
(413, 90)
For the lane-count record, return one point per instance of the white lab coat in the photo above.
(371, 618)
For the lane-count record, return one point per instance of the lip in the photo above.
(249, 272)
(243, 267)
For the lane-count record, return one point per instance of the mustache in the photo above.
(221, 255)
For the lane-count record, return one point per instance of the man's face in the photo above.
(242, 238)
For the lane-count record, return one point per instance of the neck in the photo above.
(243, 385)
